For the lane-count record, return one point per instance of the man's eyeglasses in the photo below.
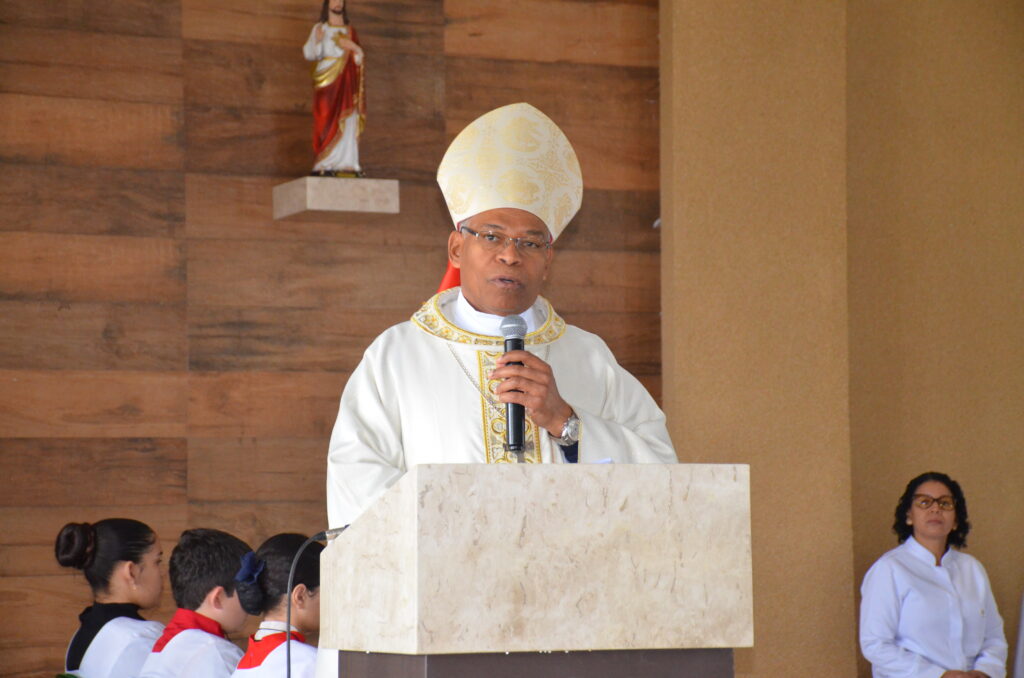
(923, 501)
(495, 242)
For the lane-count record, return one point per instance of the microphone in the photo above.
(513, 328)
(328, 535)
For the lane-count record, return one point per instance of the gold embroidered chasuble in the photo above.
(487, 350)
(421, 395)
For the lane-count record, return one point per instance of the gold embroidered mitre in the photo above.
(514, 156)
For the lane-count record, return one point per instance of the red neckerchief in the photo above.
(258, 650)
(183, 620)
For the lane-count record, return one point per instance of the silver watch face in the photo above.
(571, 430)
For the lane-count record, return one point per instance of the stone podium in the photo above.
(555, 569)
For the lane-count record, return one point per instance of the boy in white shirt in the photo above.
(194, 643)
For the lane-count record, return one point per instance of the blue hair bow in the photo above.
(251, 568)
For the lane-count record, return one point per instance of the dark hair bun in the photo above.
(251, 597)
(76, 545)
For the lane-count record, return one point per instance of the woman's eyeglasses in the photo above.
(923, 501)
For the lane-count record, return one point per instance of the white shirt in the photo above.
(193, 653)
(421, 395)
(918, 620)
(119, 648)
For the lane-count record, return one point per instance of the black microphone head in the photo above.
(513, 327)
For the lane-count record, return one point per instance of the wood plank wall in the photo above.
(167, 350)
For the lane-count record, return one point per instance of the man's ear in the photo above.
(216, 597)
(455, 242)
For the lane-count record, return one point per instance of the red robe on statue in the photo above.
(337, 93)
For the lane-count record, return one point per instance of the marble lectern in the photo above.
(588, 568)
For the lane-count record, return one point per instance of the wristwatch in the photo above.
(570, 431)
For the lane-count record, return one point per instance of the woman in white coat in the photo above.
(262, 587)
(121, 560)
(927, 609)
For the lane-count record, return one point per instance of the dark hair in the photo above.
(958, 537)
(325, 12)
(203, 560)
(270, 587)
(97, 548)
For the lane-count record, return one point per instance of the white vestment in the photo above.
(119, 649)
(421, 395)
(193, 653)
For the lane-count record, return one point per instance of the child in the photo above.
(121, 561)
(194, 644)
(265, 591)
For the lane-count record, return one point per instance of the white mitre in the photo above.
(514, 156)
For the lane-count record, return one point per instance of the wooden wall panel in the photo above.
(131, 17)
(623, 282)
(615, 33)
(56, 471)
(91, 268)
(252, 76)
(405, 26)
(233, 141)
(55, 199)
(275, 22)
(276, 469)
(241, 208)
(635, 342)
(38, 525)
(614, 221)
(29, 531)
(264, 404)
(24, 627)
(276, 78)
(89, 133)
(42, 617)
(90, 65)
(101, 404)
(254, 522)
(268, 339)
(584, 95)
(92, 336)
(323, 275)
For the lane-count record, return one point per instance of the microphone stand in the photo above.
(319, 536)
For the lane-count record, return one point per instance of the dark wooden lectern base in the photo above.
(603, 664)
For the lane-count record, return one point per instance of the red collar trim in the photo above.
(183, 620)
(258, 650)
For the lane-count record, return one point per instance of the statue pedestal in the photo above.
(321, 198)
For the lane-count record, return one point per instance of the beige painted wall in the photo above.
(936, 243)
(753, 176)
(821, 161)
